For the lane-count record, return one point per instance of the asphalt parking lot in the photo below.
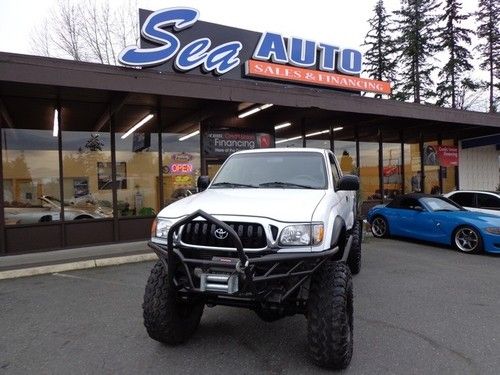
(418, 310)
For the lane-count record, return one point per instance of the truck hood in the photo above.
(287, 205)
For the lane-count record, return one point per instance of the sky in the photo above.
(339, 22)
(342, 23)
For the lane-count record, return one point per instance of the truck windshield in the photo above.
(273, 170)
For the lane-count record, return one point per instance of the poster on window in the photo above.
(80, 187)
(104, 176)
(222, 143)
(430, 155)
(447, 156)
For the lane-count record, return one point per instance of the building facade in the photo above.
(90, 153)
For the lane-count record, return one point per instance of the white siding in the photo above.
(479, 168)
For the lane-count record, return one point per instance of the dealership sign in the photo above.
(221, 143)
(447, 156)
(174, 40)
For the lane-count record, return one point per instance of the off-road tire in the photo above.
(354, 258)
(330, 316)
(167, 318)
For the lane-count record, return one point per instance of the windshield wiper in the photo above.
(283, 184)
(233, 184)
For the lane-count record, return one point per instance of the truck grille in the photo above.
(201, 233)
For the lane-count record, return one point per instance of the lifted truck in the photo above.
(275, 232)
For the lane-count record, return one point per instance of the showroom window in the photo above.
(448, 171)
(137, 168)
(30, 162)
(431, 167)
(412, 168)
(181, 164)
(369, 171)
(345, 149)
(392, 171)
(86, 150)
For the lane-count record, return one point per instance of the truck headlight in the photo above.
(493, 230)
(302, 235)
(160, 228)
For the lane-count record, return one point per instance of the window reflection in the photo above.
(413, 177)
(137, 167)
(181, 166)
(392, 170)
(30, 167)
(85, 195)
(368, 171)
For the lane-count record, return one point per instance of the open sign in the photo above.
(181, 168)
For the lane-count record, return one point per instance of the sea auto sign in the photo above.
(175, 40)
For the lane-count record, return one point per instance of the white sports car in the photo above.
(50, 209)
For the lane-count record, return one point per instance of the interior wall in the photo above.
(479, 168)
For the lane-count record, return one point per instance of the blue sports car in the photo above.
(436, 219)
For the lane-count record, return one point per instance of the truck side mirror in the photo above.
(348, 182)
(202, 183)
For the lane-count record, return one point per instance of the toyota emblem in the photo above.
(220, 233)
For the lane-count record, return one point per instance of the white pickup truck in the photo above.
(275, 232)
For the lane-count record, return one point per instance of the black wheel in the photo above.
(354, 258)
(167, 318)
(380, 227)
(467, 240)
(330, 316)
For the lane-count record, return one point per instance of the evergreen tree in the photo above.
(415, 47)
(454, 39)
(378, 58)
(488, 17)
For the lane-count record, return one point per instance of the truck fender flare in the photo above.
(338, 232)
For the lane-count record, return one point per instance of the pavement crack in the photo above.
(470, 362)
(96, 280)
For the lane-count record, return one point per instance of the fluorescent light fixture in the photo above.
(307, 135)
(317, 133)
(288, 139)
(281, 126)
(187, 136)
(55, 129)
(137, 126)
(254, 110)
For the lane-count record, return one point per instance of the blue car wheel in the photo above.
(380, 228)
(467, 240)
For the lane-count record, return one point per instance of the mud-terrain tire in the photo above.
(330, 316)
(167, 318)
(354, 258)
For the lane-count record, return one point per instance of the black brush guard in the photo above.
(276, 266)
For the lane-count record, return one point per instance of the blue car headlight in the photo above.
(493, 230)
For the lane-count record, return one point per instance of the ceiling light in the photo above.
(55, 129)
(338, 128)
(254, 110)
(187, 136)
(137, 126)
(317, 133)
(288, 139)
(281, 126)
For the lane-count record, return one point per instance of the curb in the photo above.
(80, 265)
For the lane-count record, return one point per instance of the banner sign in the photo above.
(223, 143)
(174, 40)
(447, 156)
